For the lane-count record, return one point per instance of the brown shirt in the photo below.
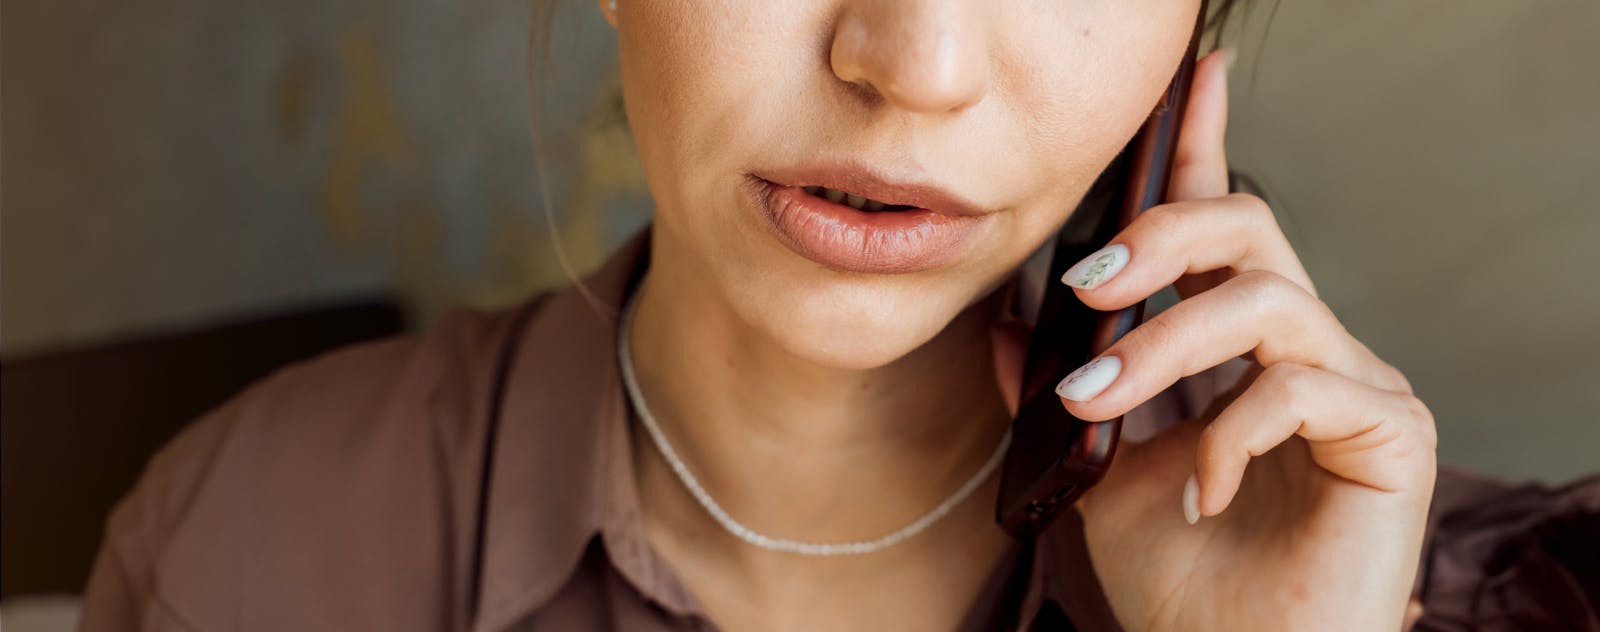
(477, 477)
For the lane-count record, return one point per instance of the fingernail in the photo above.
(1191, 500)
(1097, 268)
(1086, 382)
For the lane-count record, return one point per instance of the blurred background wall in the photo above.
(173, 165)
(178, 161)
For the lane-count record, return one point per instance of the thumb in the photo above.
(1009, 340)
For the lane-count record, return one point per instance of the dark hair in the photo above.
(1221, 10)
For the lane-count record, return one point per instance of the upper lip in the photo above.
(875, 184)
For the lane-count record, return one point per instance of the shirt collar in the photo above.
(562, 471)
(559, 472)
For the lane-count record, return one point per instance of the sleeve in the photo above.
(113, 600)
(117, 599)
(1499, 557)
(123, 591)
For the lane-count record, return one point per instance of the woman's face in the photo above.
(990, 117)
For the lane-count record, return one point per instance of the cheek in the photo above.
(1082, 78)
(699, 81)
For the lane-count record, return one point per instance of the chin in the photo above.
(857, 328)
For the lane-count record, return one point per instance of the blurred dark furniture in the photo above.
(77, 427)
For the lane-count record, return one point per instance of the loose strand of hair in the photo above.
(539, 53)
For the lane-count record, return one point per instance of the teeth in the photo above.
(849, 199)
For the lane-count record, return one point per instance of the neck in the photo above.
(800, 451)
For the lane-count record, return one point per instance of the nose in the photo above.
(929, 56)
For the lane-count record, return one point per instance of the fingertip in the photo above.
(1216, 65)
(1201, 507)
(1100, 299)
(1218, 480)
(1088, 413)
(1214, 507)
(1098, 268)
(1217, 496)
(1191, 500)
(1090, 380)
(1224, 56)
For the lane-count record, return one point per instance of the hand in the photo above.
(1323, 529)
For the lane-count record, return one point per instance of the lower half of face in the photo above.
(848, 177)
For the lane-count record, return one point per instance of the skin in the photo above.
(829, 406)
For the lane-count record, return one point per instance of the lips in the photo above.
(854, 220)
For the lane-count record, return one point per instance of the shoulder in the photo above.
(352, 406)
(352, 409)
(360, 465)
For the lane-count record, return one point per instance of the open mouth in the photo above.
(850, 232)
(854, 201)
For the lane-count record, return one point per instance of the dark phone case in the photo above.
(1055, 457)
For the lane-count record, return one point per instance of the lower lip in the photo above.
(845, 239)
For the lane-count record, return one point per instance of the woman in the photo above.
(814, 374)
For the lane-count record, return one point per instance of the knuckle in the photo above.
(1398, 380)
(1270, 293)
(1289, 384)
(1158, 336)
(1382, 375)
(1162, 222)
(1251, 204)
(1421, 419)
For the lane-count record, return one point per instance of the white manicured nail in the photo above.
(1086, 382)
(1191, 500)
(1097, 268)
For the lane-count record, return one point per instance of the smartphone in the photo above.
(1055, 457)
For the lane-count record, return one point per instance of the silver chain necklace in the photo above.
(625, 357)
